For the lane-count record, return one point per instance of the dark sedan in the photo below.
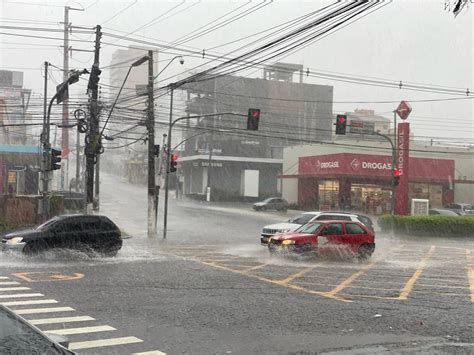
(87, 233)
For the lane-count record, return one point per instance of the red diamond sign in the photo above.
(403, 110)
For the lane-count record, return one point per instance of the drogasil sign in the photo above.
(355, 164)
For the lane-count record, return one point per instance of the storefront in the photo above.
(362, 182)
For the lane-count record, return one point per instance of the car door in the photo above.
(68, 233)
(330, 239)
(354, 236)
(91, 235)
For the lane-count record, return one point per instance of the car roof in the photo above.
(330, 221)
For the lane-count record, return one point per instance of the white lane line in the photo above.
(22, 295)
(81, 330)
(153, 352)
(14, 288)
(103, 342)
(9, 283)
(29, 302)
(43, 310)
(60, 320)
(3, 278)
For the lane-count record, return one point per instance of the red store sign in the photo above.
(369, 165)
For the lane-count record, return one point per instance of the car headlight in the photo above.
(288, 242)
(284, 230)
(15, 240)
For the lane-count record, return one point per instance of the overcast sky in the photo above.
(408, 41)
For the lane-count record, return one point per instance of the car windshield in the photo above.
(301, 219)
(18, 338)
(309, 228)
(208, 132)
(47, 224)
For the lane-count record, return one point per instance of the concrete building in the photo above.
(237, 163)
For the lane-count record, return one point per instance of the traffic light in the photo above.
(341, 123)
(94, 78)
(395, 177)
(173, 163)
(253, 118)
(55, 159)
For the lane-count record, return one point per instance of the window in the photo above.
(352, 228)
(91, 224)
(333, 229)
(301, 219)
(309, 228)
(336, 217)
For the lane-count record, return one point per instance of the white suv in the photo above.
(296, 222)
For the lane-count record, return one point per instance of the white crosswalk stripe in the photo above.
(82, 330)
(14, 289)
(12, 295)
(60, 320)
(43, 310)
(29, 302)
(103, 342)
(21, 295)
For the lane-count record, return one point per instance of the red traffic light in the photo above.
(174, 157)
(396, 172)
(341, 119)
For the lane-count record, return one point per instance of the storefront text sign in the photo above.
(403, 156)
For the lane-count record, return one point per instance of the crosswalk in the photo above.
(84, 332)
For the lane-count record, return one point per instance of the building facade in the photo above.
(237, 163)
(358, 177)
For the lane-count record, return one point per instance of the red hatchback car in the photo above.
(326, 237)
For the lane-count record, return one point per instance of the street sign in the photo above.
(403, 110)
(361, 127)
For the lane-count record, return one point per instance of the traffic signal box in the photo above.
(253, 119)
(395, 177)
(55, 159)
(173, 163)
(341, 123)
(94, 78)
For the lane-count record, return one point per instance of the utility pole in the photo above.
(65, 116)
(92, 138)
(46, 146)
(152, 202)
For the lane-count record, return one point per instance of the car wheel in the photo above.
(364, 253)
(31, 249)
(263, 208)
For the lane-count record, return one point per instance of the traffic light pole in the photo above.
(392, 181)
(46, 146)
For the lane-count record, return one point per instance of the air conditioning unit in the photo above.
(419, 206)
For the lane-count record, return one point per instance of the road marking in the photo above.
(9, 283)
(255, 267)
(22, 295)
(298, 274)
(103, 342)
(470, 272)
(43, 310)
(60, 320)
(14, 288)
(81, 330)
(42, 276)
(349, 280)
(30, 302)
(406, 290)
(153, 352)
(3, 278)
